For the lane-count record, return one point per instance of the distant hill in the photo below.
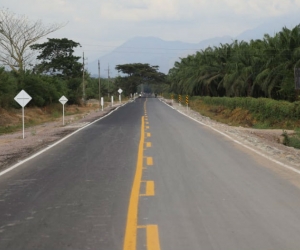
(152, 50)
(156, 51)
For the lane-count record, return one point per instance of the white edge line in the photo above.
(240, 143)
(54, 144)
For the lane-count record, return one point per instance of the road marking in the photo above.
(152, 237)
(147, 127)
(148, 134)
(148, 144)
(132, 216)
(149, 161)
(149, 189)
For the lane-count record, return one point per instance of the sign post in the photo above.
(22, 98)
(120, 92)
(102, 103)
(63, 100)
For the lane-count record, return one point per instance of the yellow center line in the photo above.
(149, 161)
(149, 189)
(152, 237)
(132, 216)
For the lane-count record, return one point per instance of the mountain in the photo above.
(156, 51)
(152, 50)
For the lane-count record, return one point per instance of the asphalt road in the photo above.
(147, 177)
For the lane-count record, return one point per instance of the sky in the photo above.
(102, 25)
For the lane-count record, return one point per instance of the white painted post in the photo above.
(102, 103)
(112, 100)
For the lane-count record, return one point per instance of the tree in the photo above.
(17, 33)
(137, 74)
(57, 58)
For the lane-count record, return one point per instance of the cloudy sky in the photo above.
(102, 25)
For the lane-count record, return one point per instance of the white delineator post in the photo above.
(23, 98)
(102, 103)
(112, 100)
(63, 100)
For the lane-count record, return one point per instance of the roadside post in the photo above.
(63, 100)
(102, 103)
(179, 100)
(187, 102)
(112, 100)
(22, 98)
(120, 92)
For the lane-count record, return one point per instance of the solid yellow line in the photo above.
(132, 216)
(152, 237)
(149, 161)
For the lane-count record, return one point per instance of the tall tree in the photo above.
(17, 33)
(57, 58)
(137, 74)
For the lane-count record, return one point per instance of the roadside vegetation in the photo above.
(259, 68)
(245, 83)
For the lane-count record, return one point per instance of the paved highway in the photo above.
(147, 177)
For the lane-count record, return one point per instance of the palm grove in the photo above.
(259, 68)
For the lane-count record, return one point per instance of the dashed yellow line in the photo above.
(148, 134)
(149, 161)
(152, 237)
(149, 189)
(148, 144)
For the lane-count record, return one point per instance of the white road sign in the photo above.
(22, 98)
(63, 100)
(120, 91)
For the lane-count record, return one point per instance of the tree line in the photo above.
(259, 68)
(56, 71)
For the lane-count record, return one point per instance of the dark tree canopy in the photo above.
(57, 58)
(138, 73)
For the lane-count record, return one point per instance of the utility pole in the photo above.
(108, 82)
(99, 85)
(83, 87)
